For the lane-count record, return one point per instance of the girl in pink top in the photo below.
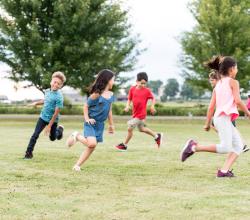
(226, 99)
(248, 102)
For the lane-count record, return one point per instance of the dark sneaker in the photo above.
(121, 147)
(28, 155)
(245, 148)
(229, 173)
(60, 128)
(158, 140)
(187, 150)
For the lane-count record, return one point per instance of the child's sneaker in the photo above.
(72, 139)
(28, 155)
(76, 168)
(229, 173)
(158, 140)
(121, 147)
(245, 148)
(187, 150)
(61, 128)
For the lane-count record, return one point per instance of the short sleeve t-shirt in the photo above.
(140, 97)
(52, 100)
(99, 108)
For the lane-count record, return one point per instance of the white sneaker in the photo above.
(72, 139)
(76, 168)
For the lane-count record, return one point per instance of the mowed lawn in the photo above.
(142, 183)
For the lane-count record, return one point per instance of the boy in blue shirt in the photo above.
(52, 103)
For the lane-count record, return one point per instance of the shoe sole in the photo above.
(25, 158)
(70, 145)
(120, 149)
(245, 150)
(74, 140)
(184, 148)
(160, 140)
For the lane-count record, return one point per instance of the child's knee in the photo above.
(224, 148)
(92, 145)
(130, 130)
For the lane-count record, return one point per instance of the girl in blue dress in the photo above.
(97, 109)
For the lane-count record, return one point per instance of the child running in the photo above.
(49, 117)
(226, 98)
(139, 96)
(248, 101)
(97, 109)
(213, 79)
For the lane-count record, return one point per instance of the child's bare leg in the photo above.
(91, 144)
(209, 148)
(81, 139)
(229, 161)
(147, 131)
(129, 135)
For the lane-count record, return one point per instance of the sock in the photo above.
(223, 171)
(193, 148)
(156, 136)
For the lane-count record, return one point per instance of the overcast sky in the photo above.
(159, 23)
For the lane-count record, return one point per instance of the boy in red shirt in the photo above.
(139, 96)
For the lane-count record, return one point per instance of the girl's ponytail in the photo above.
(214, 63)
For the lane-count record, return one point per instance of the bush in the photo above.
(118, 109)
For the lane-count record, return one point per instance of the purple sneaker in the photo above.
(229, 173)
(187, 150)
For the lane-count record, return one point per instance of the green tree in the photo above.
(223, 28)
(78, 37)
(188, 91)
(170, 89)
(155, 85)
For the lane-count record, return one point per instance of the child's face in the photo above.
(56, 83)
(233, 71)
(141, 84)
(111, 83)
(212, 82)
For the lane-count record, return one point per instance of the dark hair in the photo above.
(141, 76)
(102, 80)
(221, 64)
(214, 75)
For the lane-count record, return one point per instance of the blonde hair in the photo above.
(59, 75)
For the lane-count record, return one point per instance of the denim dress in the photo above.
(99, 110)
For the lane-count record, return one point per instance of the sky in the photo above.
(159, 23)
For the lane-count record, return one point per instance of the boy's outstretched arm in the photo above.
(40, 102)
(52, 120)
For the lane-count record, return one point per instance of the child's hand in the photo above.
(111, 129)
(206, 127)
(126, 109)
(152, 110)
(47, 130)
(91, 121)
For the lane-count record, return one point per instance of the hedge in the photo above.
(118, 109)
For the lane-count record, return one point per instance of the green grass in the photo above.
(143, 183)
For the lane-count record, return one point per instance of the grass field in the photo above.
(141, 184)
